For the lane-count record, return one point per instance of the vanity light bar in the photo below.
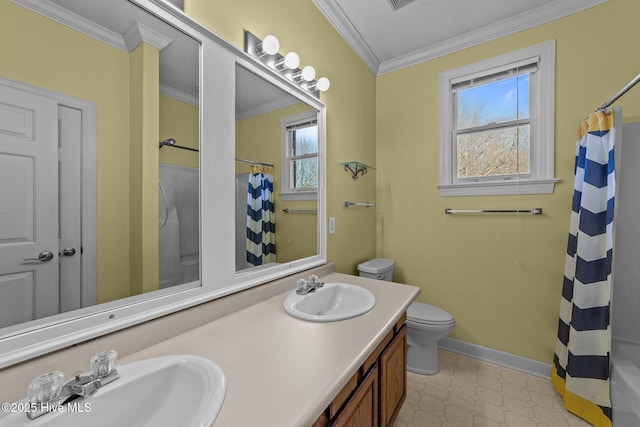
(266, 51)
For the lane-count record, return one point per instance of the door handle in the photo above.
(69, 251)
(43, 256)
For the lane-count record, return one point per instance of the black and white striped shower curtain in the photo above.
(261, 228)
(583, 347)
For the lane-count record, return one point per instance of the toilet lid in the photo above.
(426, 313)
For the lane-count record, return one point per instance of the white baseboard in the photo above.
(519, 363)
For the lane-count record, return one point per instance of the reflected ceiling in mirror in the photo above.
(276, 180)
(107, 81)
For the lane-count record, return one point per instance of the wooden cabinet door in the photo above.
(393, 378)
(362, 409)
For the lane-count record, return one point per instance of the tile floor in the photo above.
(468, 392)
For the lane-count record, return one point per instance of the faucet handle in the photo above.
(302, 285)
(46, 387)
(313, 278)
(104, 363)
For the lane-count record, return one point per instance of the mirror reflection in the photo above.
(94, 207)
(276, 175)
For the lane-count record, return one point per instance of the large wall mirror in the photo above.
(119, 143)
(97, 203)
(276, 179)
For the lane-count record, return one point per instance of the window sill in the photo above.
(499, 188)
(302, 195)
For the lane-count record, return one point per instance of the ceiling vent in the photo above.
(397, 4)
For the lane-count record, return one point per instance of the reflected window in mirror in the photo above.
(300, 156)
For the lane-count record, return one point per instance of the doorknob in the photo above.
(43, 256)
(69, 251)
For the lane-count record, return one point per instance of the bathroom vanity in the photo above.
(376, 392)
(283, 371)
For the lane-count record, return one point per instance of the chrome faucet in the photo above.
(48, 391)
(310, 285)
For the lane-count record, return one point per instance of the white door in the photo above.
(69, 249)
(28, 206)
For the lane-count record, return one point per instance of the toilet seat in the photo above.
(427, 314)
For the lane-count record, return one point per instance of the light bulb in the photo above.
(270, 45)
(323, 84)
(308, 73)
(291, 60)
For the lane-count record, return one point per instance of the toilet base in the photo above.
(423, 359)
(422, 372)
(426, 325)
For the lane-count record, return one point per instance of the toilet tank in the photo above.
(378, 268)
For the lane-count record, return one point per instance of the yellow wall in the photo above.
(500, 276)
(259, 138)
(351, 101)
(179, 121)
(143, 168)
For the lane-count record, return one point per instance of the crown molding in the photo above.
(267, 107)
(515, 24)
(336, 16)
(523, 21)
(69, 19)
(179, 95)
(126, 42)
(139, 33)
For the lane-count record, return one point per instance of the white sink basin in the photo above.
(332, 302)
(165, 391)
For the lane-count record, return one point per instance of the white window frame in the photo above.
(540, 180)
(286, 155)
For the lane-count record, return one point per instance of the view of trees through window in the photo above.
(492, 135)
(304, 167)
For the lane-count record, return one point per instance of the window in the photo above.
(300, 156)
(497, 125)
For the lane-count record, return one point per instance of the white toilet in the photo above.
(426, 324)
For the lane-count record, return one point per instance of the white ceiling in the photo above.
(388, 40)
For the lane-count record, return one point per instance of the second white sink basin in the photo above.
(166, 391)
(332, 302)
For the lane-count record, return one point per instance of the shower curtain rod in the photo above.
(287, 210)
(238, 159)
(622, 91)
(180, 146)
(253, 162)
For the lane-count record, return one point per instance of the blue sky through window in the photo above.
(506, 99)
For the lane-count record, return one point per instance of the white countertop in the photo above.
(282, 371)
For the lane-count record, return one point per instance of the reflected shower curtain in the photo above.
(581, 361)
(261, 228)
